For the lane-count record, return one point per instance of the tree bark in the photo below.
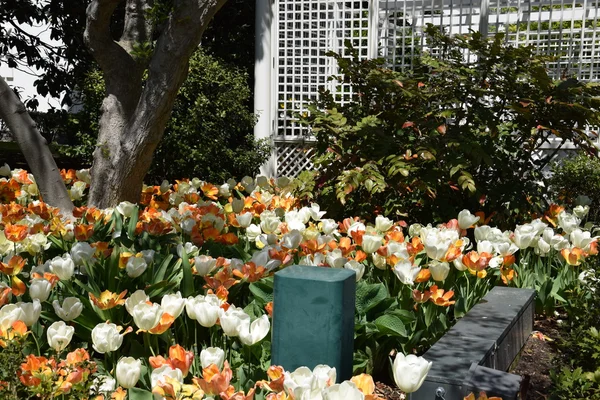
(134, 111)
(35, 149)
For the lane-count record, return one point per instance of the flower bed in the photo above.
(174, 295)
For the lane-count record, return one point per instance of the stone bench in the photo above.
(475, 353)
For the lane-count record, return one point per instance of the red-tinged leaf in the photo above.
(442, 129)
(482, 199)
(420, 84)
(454, 187)
(525, 103)
(399, 83)
(403, 224)
(407, 124)
(549, 100)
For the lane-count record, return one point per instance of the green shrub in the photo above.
(577, 176)
(448, 135)
(209, 135)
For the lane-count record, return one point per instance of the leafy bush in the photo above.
(446, 136)
(210, 133)
(576, 176)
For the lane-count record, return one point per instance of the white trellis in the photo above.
(294, 37)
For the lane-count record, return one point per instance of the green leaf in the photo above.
(132, 223)
(139, 394)
(369, 295)
(391, 325)
(262, 291)
(187, 283)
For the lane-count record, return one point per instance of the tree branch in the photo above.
(168, 67)
(35, 149)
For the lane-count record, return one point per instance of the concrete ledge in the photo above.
(474, 353)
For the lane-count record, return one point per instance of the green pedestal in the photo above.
(313, 318)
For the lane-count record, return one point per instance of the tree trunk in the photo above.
(35, 149)
(135, 111)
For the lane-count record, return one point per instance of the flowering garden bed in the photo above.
(173, 296)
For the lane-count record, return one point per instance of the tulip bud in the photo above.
(63, 267)
(70, 309)
(40, 289)
(59, 335)
(212, 355)
(128, 372)
(410, 372)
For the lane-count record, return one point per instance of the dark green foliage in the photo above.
(579, 377)
(575, 176)
(448, 135)
(209, 135)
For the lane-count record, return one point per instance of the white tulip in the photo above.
(439, 270)
(138, 297)
(410, 372)
(81, 252)
(252, 333)
(106, 338)
(356, 267)
(212, 355)
(244, 219)
(173, 304)
(128, 372)
(135, 266)
(147, 316)
(159, 374)
(371, 243)
(204, 264)
(232, 320)
(40, 289)
(383, 224)
(346, 390)
(31, 311)
(125, 208)
(204, 309)
(59, 335)
(63, 267)
(405, 271)
(466, 219)
(70, 309)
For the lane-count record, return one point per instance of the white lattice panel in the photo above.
(293, 158)
(306, 30)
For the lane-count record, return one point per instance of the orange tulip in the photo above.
(14, 265)
(213, 381)
(573, 256)
(108, 299)
(15, 233)
(440, 298)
